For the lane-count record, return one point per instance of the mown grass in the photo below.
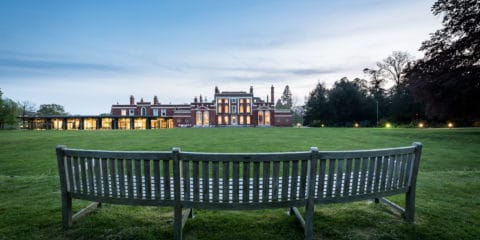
(448, 192)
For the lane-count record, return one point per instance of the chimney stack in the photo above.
(155, 100)
(201, 99)
(132, 100)
(271, 95)
(251, 90)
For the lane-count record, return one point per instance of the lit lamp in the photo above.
(420, 125)
(323, 125)
(356, 125)
(450, 125)
(388, 125)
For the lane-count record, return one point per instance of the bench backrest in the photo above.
(239, 180)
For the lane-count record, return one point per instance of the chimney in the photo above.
(216, 90)
(201, 99)
(132, 100)
(271, 95)
(251, 90)
(195, 99)
(155, 100)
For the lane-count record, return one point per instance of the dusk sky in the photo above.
(88, 55)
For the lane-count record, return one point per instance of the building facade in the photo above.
(227, 109)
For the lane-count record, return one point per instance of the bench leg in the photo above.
(309, 210)
(177, 223)
(67, 209)
(410, 205)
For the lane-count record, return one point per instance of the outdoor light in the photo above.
(388, 125)
(420, 125)
(323, 125)
(450, 125)
(356, 125)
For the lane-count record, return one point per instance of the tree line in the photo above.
(442, 86)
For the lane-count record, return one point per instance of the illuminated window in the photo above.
(106, 123)
(234, 120)
(219, 100)
(248, 120)
(124, 112)
(205, 118)
(155, 112)
(241, 100)
(199, 118)
(140, 123)
(219, 108)
(248, 100)
(248, 108)
(124, 123)
(226, 119)
(267, 118)
(226, 108)
(219, 120)
(241, 120)
(90, 123)
(241, 108)
(225, 100)
(260, 118)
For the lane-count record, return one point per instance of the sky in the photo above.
(88, 55)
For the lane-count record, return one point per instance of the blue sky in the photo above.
(87, 55)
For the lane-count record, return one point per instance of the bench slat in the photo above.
(104, 172)
(303, 178)
(90, 176)
(275, 180)
(76, 173)
(330, 177)
(216, 185)
(348, 174)
(285, 174)
(321, 178)
(147, 174)
(225, 175)
(371, 173)
(130, 186)
(69, 172)
(363, 176)
(166, 179)
(294, 180)
(356, 176)
(339, 178)
(113, 177)
(256, 181)
(246, 182)
(121, 179)
(205, 176)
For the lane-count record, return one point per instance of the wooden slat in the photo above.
(363, 176)
(138, 178)
(216, 184)
(383, 180)
(106, 182)
(113, 177)
(205, 179)
(348, 173)
(275, 182)
(90, 176)
(371, 172)
(402, 171)
(166, 179)
(129, 178)
(76, 172)
(133, 155)
(236, 179)
(303, 178)
(266, 181)
(408, 170)
(331, 175)
(285, 181)
(225, 177)
(356, 175)
(339, 178)
(256, 181)
(378, 172)
(321, 178)
(365, 153)
(98, 176)
(242, 157)
(69, 170)
(246, 182)
(391, 162)
(186, 180)
(121, 177)
(294, 181)
(196, 181)
(148, 179)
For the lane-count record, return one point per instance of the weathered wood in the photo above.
(126, 178)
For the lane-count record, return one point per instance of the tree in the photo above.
(51, 109)
(286, 100)
(447, 78)
(393, 67)
(316, 108)
(27, 107)
(9, 113)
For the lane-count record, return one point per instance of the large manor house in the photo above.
(227, 109)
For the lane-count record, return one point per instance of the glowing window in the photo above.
(226, 108)
(240, 110)
(124, 112)
(225, 100)
(205, 118)
(248, 108)
(248, 119)
(219, 120)
(241, 120)
(260, 118)
(248, 100)
(267, 118)
(226, 119)
(199, 118)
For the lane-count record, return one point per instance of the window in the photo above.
(241, 108)
(131, 112)
(234, 109)
(226, 120)
(155, 112)
(144, 111)
(205, 118)
(241, 100)
(226, 108)
(241, 120)
(234, 100)
(248, 108)
(260, 118)
(219, 120)
(267, 117)
(124, 112)
(199, 118)
(219, 108)
(219, 100)
(225, 100)
(248, 120)
(248, 100)
(163, 112)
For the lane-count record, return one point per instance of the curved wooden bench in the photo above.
(228, 181)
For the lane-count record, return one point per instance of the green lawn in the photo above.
(448, 190)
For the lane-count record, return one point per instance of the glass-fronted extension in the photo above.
(95, 122)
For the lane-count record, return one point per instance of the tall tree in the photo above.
(317, 108)
(27, 107)
(286, 100)
(447, 79)
(51, 109)
(393, 67)
(9, 113)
